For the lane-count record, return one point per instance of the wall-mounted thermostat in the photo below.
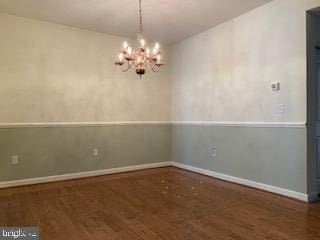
(275, 86)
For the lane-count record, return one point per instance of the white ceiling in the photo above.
(168, 21)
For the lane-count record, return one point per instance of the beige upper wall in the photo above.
(224, 74)
(53, 73)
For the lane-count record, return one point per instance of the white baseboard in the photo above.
(81, 175)
(281, 191)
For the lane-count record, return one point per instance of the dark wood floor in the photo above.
(164, 203)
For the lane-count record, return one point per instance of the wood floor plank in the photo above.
(157, 204)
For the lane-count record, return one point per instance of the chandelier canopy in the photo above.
(142, 57)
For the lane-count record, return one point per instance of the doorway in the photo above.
(317, 66)
(313, 104)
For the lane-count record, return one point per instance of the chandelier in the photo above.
(142, 57)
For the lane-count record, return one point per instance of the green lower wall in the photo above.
(273, 155)
(47, 151)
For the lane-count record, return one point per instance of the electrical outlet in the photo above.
(14, 160)
(95, 152)
(213, 152)
(280, 108)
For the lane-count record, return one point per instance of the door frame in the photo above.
(312, 106)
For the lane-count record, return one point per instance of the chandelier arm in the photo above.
(128, 67)
(153, 68)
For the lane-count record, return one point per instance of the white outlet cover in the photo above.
(213, 152)
(280, 108)
(14, 160)
(95, 152)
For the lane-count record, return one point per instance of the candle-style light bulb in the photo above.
(154, 51)
(142, 42)
(148, 52)
(129, 51)
(158, 58)
(120, 57)
(125, 45)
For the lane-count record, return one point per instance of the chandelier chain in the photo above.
(140, 12)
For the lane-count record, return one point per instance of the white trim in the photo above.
(78, 124)
(200, 123)
(81, 175)
(281, 191)
(245, 124)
